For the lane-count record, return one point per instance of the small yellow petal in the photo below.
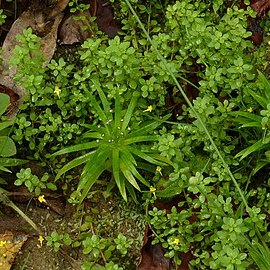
(153, 190)
(41, 239)
(57, 91)
(176, 241)
(149, 109)
(158, 169)
(41, 199)
(250, 110)
(2, 243)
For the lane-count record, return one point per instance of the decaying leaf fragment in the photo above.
(10, 245)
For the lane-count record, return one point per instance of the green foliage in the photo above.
(2, 17)
(7, 145)
(260, 123)
(77, 101)
(260, 255)
(56, 240)
(32, 182)
(113, 146)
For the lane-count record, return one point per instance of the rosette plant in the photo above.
(111, 145)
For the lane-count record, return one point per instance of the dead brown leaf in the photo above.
(10, 245)
(72, 30)
(260, 6)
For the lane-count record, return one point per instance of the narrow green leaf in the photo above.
(149, 138)
(252, 124)
(129, 112)
(117, 111)
(128, 174)
(149, 127)
(74, 163)
(247, 151)
(100, 112)
(144, 156)
(2, 168)
(265, 83)
(259, 166)
(103, 98)
(246, 115)
(261, 100)
(131, 191)
(10, 162)
(89, 179)
(76, 148)
(93, 169)
(116, 171)
(128, 156)
(94, 135)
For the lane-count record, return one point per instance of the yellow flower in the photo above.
(158, 169)
(250, 110)
(153, 190)
(41, 239)
(149, 109)
(2, 243)
(176, 241)
(41, 199)
(57, 91)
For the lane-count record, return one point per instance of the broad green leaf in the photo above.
(129, 113)
(255, 147)
(4, 103)
(5, 124)
(75, 148)
(7, 147)
(74, 163)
